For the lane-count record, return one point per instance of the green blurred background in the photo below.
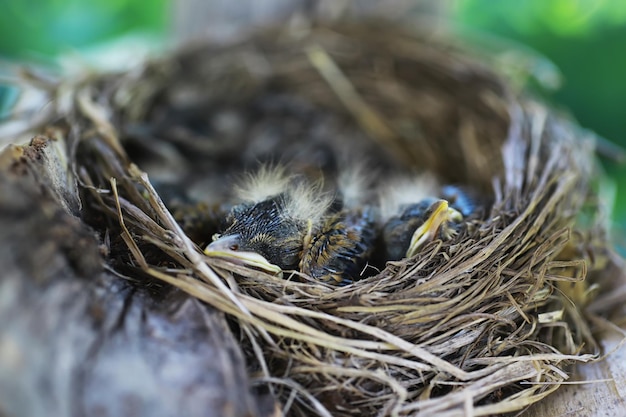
(585, 39)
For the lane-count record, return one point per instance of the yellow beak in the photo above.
(225, 248)
(441, 213)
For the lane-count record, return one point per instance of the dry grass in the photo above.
(486, 323)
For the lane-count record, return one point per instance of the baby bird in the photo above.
(415, 218)
(295, 224)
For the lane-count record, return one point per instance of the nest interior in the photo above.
(486, 323)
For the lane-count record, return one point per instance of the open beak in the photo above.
(226, 247)
(441, 213)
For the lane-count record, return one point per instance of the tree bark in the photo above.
(77, 340)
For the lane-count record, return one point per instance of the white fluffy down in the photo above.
(305, 200)
(308, 200)
(356, 184)
(399, 192)
(266, 182)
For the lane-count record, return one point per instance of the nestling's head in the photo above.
(273, 222)
(265, 228)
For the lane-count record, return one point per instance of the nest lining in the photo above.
(477, 325)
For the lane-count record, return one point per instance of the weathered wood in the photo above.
(601, 392)
(76, 340)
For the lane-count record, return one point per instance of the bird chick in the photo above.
(418, 218)
(276, 215)
(296, 225)
(418, 224)
(344, 241)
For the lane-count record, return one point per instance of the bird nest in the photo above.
(484, 323)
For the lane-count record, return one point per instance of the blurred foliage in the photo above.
(560, 18)
(44, 28)
(586, 39)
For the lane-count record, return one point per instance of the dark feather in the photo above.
(339, 250)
